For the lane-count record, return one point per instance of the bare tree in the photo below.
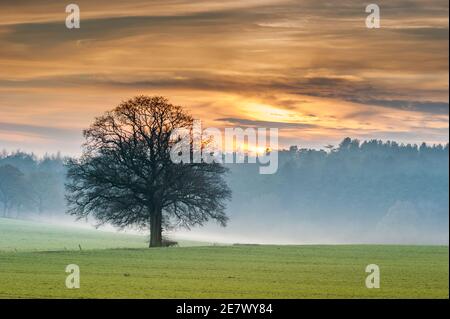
(126, 177)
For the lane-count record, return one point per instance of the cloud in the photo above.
(265, 124)
(418, 106)
(38, 131)
(327, 87)
(315, 62)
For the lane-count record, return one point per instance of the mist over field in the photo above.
(369, 192)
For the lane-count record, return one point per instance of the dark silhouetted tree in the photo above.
(126, 177)
(13, 189)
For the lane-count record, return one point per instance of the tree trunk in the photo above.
(156, 228)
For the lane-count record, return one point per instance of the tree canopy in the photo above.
(126, 177)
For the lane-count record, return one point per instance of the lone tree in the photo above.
(126, 177)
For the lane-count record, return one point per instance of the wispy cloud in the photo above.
(311, 68)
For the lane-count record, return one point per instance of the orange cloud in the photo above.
(312, 70)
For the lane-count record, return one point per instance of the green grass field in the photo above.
(33, 261)
(19, 235)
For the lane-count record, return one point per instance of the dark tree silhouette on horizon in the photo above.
(13, 189)
(125, 175)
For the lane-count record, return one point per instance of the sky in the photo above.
(310, 68)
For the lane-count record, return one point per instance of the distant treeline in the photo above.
(350, 191)
(30, 185)
(364, 185)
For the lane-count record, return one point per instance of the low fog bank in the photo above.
(370, 192)
(71, 222)
(395, 228)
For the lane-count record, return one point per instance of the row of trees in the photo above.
(30, 185)
(357, 181)
(125, 177)
(354, 186)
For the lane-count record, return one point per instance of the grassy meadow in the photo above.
(33, 258)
